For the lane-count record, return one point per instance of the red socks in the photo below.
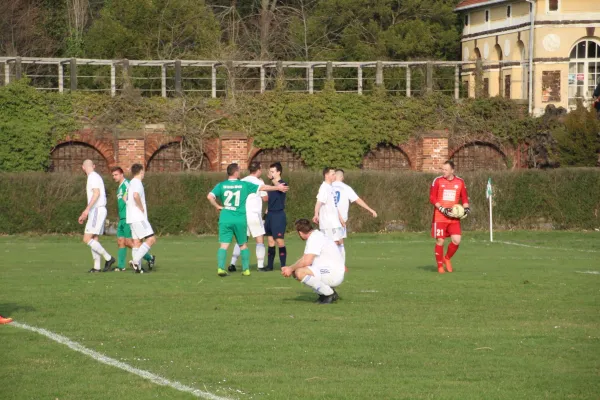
(452, 248)
(439, 256)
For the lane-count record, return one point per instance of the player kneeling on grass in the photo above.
(137, 218)
(446, 192)
(321, 267)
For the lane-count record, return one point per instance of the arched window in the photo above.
(386, 158)
(479, 156)
(68, 157)
(289, 161)
(584, 71)
(168, 159)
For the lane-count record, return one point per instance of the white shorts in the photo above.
(334, 234)
(344, 234)
(141, 230)
(330, 276)
(95, 221)
(256, 226)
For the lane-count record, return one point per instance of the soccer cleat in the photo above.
(117, 269)
(151, 263)
(441, 270)
(265, 269)
(134, 267)
(246, 272)
(327, 299)
(335, 295)
(5, 320)
(232, 268)
(94, 270)
(448, 265)
(221, 272)
(320, 298)
(108, 264)
(140, 270)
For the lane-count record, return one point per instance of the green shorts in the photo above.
(123, 230)
(227, 230)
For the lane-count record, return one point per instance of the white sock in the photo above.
(97, 247)
(236, 254)
(141, 252)
(342, 251)
(134, 251)
(317, 285)
(260, 254)
(97, 259)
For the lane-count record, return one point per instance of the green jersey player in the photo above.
(232, 194)
(124, 238)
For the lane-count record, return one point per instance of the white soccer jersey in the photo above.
(344, 195)
(254, 202)
(328, 214)
(94, 181)
(327, 254)
(134, 214)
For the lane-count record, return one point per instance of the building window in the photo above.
(386, 158)
(289, 161)
(507, 85)
(508, 12)
(466, 19)
(551, 86)
(553, 5)
(487, 15)
(584, 71)
(477, 156)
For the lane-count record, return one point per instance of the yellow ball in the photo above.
(458, 211)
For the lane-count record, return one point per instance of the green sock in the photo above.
(221, 258)
(148, 257)
(245, 259)
(122, 256)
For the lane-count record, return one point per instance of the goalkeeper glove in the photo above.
(467, 212)
(446, 211)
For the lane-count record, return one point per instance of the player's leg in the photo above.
(93, 228)
(143, 239)
(240, 231)
(256, 229)
(123, 238)
(97, 262)
(149, 241)
(311, 277)
(438, 232)
(343, 235)
(234, 257)
(260, 252)
(271, 243)
(225, 238)
(455, 236)
(280, 226)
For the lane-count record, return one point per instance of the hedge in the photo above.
(526, 199)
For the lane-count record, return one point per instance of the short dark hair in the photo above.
(232, 169)
(326, 170)
(303, 225)
(115, 169)
(254, 166)
(340, 170)
(136, 169)
(277, 166)
(450, 163)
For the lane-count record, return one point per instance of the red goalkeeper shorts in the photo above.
(442, 230)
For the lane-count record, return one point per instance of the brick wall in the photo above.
(434, 151)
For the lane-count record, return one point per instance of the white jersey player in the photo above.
(254, 218)
(327, 214)
(321, 267)
(344, 195)
(95, 214)
(137, 218)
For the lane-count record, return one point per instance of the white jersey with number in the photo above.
(254, 202)
(326, 252)
(134, 214)
(328, 213)
(94, 181)
(344, 195)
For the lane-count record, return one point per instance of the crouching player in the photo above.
(446, 191)
(321, 267)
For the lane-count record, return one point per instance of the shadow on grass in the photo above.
(429, 268)
(6, 309)
(304, 298)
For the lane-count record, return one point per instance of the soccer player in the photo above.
(321, 267)
(124, 238)
(4, 320)
(137, 218)
(344, 195)
(327, 215)
(446, 191)
(95, 214)
(233, 194)
(256, 227)
(276, 220)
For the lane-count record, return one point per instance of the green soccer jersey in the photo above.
(233, 195)
(122, 199)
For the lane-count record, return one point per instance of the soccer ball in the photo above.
(458, 211)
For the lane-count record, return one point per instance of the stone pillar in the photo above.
(435, 151)
(233, 149)
(130, 150)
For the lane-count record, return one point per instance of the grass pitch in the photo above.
(512, 322)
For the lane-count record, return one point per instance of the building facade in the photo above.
(565, 49)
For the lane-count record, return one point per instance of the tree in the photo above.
(577, 139)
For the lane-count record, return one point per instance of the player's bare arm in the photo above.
(138, 201)
(84, 214)
(364, 205)
(212, 199)
(318, 206)
(276, 188)
(305, 261)
(341, 219)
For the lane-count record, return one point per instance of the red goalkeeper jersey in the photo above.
(447, 193)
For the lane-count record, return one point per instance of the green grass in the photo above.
(511, 322)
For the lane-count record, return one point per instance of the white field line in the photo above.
(159, 380)
(589, 272)
(546, 248)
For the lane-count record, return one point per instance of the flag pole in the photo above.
(491, 222)
(489, 194)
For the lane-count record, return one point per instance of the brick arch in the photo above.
(104, 144)
(289, 160)
(167, 158)
(479, 155)
(387, 157)
(68, 156)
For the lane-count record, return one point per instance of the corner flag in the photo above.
(488, 195)
(488, 191)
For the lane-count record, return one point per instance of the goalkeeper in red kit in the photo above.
(446, 191)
